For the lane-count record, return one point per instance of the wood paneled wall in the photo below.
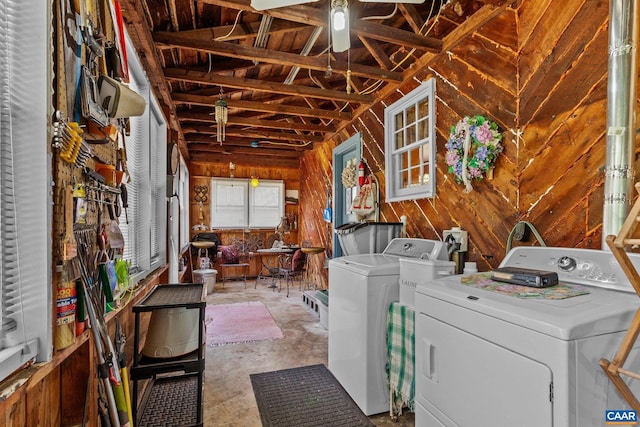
(200, 174)
(540, 72)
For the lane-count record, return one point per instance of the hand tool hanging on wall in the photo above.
(125, 200)
(120, 341)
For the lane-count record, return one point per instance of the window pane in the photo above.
(399, 136)
(411, 134)
(423, 129)
(399, 120)
(405, 160)
(415, 176)
(423, 108)
(411, 115)
(425, 150)
(404, 178)
(415, 156)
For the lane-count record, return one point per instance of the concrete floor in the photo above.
(228, 395)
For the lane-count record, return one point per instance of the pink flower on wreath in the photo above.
(483, 133)
(475, 172)
(452, 158)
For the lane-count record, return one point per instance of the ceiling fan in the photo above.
(339, 19)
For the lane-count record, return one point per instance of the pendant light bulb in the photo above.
(339, 19)
(340, 36)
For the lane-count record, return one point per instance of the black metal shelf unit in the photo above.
(174, 393)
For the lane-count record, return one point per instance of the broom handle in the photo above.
(113, 410)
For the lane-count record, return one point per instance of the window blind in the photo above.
(145, 234)
(25, 201)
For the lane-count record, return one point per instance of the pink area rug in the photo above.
(240, 322)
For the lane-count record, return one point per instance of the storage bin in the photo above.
(367, 237)
(206, 276)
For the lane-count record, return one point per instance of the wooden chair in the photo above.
(230, 260)
(294, 270)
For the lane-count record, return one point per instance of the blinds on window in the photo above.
(25, 201)
(145, 234)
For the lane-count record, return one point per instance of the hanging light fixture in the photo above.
(222, 116)
(340, 25)
(254, 180)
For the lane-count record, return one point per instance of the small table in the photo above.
(272, 260)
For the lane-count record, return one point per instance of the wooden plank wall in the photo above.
(200, 174)
(540, 71)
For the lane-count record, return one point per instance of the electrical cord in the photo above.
(531, 227)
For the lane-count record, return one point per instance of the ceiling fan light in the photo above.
(339, 19)
(340, 26)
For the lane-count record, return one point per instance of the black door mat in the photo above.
(306, 396)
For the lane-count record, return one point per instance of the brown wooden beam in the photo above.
(258, 123)
(201, 77)
(250, 53)
(209, 101)
(249, 133)
(256, 161)
(316, 17)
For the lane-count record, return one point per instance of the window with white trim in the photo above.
(25, 185)
(145, 232)
(410, 144)
(236, 204)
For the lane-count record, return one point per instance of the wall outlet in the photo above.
(459, 235)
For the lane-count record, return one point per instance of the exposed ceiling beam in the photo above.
(317, 17)
(377, 52)
(250, 53)
(245, 151)
(202, 77)
(208, 101)
(253, 122)
(248, 133)
(243, 160)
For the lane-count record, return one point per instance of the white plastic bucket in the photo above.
(207, 277)
(172, 332)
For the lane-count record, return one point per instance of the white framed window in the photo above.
(266, 207)
(145, 232)
(229, 201)
(25, 185)
(410, 144)
(235, 204)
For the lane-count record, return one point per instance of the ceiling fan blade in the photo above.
(273, 4)
(388, 1)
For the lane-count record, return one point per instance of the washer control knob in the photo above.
(567, 263)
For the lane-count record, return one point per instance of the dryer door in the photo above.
(468, 381)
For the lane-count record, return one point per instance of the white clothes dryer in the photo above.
(361, 289)
(485, 358)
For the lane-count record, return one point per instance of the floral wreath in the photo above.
(472, 149)
(349, 176)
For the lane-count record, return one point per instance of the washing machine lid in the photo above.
(368, 264)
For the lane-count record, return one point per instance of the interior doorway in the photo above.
(345, 155)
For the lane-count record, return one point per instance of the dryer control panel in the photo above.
(590, 267)
(416, 248)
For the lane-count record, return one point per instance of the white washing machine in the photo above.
(361, 289)
(490, 359)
